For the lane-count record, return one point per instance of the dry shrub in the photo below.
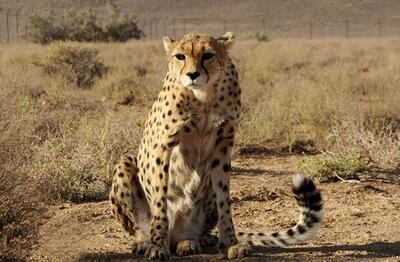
(78, 65)
(81, 25)
(376, 140)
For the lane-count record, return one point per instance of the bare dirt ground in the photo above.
(362, 220)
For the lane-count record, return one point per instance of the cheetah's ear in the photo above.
(168, 42)
(227, 40)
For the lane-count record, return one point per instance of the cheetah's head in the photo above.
(198, 60)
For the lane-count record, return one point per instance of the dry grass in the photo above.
(302, 88)
(19, 198)
(58, 142)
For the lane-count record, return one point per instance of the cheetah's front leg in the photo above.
(159, 247)
(220, 173)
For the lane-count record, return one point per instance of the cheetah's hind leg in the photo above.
(129, 204)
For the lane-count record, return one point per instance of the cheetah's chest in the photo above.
(190, 165)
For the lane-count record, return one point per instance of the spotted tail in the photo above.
(309, 200)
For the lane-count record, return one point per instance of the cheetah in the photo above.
(174, 197)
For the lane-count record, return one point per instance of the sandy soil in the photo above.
(362, 220)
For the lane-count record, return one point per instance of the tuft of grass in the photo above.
(328, 168)
(78, 65)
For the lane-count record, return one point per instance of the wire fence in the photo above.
(154, 29)
(14, 28)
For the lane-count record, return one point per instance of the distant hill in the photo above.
(278, 18)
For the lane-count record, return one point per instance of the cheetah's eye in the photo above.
(207, 56)
(180, 56)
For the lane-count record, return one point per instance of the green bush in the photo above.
(82, 26)
(44, 28)
(121, 28)
(327, 168)
(78, 65)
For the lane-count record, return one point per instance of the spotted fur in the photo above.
(177, 190)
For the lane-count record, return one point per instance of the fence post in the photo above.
(347, 28)
(184, 26)
(379, 27)
(8, 25)
(310, 29)
(156, 34)
(1, 10)
(144, 30)
(17, 23)
(151, 29)
(173, 28)
(263, 25)
(26, 30)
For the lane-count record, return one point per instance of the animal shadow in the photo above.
(317, 253)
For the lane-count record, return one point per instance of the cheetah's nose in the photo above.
(193, 75)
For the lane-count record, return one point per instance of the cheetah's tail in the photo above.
(309, 200)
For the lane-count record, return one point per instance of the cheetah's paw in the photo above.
(155, 252)
(187, 248)
(239, 251)
(139, 248)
